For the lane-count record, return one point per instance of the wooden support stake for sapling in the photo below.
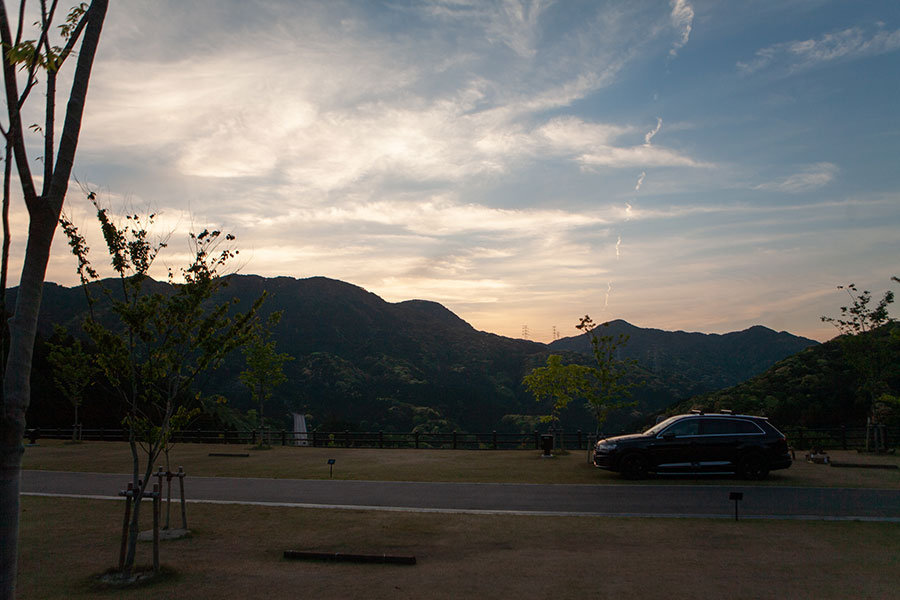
(180, 476)
(128, 493)
(156, 502)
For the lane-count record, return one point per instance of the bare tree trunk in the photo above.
(43, 214)
(17, 393)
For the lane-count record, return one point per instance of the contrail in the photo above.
(641, 178)
(608, 290)
(628, 209)
(655, 130)
(618, 243)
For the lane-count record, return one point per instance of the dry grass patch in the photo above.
(501, 466)
(236, 552)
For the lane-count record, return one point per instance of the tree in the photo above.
(602, 385)
(264, 370)
(558, 383)
(859, 326)
(73, 372)
(610, 387)
(163, 339)
(84, 22)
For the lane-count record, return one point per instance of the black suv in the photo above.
(698, 443)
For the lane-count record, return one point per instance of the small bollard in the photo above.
(737, 497)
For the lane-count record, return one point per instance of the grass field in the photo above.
(236, 552)
(513, 466)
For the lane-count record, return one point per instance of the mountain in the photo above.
(697, 362)
(814, 388)
(363, 363)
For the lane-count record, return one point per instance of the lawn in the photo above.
(503, 466)
(236, 552)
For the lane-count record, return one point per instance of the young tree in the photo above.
(558, 383)
(264, 370)
(610, 387)
(867, 355)
(603, 385)
(163, 341)
(73, 372)
(29, 57)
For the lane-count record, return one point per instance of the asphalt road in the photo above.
(644, 500)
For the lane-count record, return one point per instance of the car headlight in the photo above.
(605, 445)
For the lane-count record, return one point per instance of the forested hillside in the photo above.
(365, 364)
(815, 387)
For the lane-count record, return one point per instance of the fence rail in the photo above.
(347, 439)
(801, 438)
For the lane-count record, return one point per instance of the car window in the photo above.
(660, 426)
(684, 427)
(729, 427)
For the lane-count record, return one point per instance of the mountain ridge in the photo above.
(365, 363)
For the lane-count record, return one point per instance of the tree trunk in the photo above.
(43, 214)
(17, 392)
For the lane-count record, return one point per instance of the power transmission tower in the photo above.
(525, 332)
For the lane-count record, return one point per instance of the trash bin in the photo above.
(547, 445)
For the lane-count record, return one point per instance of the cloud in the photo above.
(848, 44)
(640, 181)
(653, 131)
(809, 179)
(683, 19)
(512, 23)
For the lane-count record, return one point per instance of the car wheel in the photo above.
(633, 466)
(753, 466)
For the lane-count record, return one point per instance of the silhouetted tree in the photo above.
(26, 58)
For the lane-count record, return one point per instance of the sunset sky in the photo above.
(695, 165)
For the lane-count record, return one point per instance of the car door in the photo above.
(721, 441)
(675, 448)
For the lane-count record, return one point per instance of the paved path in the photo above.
(594, 500)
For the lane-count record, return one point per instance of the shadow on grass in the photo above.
(143, 576)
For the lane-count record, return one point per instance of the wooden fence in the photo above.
(454, 440)
(800, 438)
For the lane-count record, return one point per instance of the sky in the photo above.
(683, 165)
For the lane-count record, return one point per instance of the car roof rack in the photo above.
(696, 411)
(726, 411)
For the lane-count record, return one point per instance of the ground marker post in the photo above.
(737, 497)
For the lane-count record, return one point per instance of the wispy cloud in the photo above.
(683, 20)
(640, 181)
(809, 179)
(653, 132)
(847, 44)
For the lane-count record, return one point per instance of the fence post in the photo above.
(417, 440)
(283, 438)
(381, 439)
(494, 439)
(454, 440)
(537, 441)
(579, 439)
(157, 494)
(346, 439)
